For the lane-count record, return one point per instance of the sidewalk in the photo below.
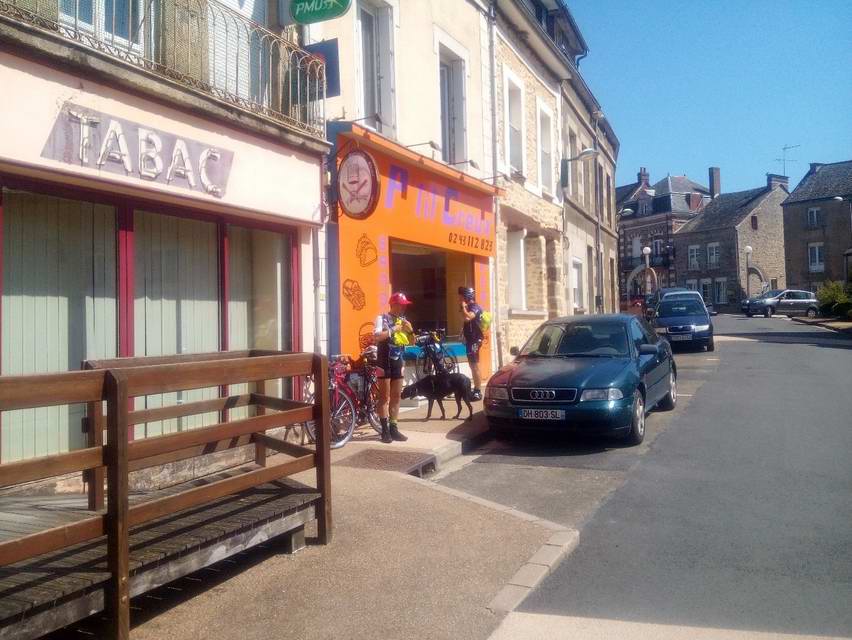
(840, 326)
(407, 560)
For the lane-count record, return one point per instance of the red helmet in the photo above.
(399, 298)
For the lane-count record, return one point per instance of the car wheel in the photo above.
(711, 345)
(767, 313)
(669, 402)
(637, 422)
(749, 314)
(812, 313)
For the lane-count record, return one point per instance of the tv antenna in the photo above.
(784, 159)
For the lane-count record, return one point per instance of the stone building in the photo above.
(556, 238)
(649, 215)
(818, 227)
(710, 249)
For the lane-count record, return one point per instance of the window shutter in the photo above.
(459, 140)
(387, 81)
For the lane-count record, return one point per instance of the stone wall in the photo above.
(767, 242)
(834, 230)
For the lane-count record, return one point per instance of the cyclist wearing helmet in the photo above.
(391, 333)
(472, 335)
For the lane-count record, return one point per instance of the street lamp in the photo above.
(646, 251)
(748, 251)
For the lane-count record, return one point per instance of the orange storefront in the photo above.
(402, 221)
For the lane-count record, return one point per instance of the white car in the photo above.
(684, 295)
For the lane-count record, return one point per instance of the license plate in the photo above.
(541, 414)
(686, 336)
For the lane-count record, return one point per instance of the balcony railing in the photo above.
(630, 263)
(200, 44)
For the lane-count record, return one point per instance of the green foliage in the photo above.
(842, 309)
(830, 294)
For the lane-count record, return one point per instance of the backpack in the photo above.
(484, 321)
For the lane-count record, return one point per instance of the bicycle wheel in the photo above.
(342, 419)
(372, 408)
(451, 363)
(423, 365)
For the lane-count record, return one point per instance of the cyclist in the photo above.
(472, 334)
(391, 333)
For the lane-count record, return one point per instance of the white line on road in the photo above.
(684, 395)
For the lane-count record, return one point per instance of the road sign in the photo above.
(310, 11)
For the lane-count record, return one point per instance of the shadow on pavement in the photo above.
(825, 339)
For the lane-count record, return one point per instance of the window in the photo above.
(609, 200)
(773, 283)
(637, 335)
(452, 89)
(658, 247)
(713, 253)
(707, 289)
(694, 251)
(720, 291)
(816, 257)
(590, 260)
(577, 283)
(545, 150)
(637, 247)
(754, 222)
(643, 208)
(692, 285)
(377, 68)
(514, 129)
(813, 217)
(516, 259)
(572, 153)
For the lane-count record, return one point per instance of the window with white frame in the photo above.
(572, 173)
(692, 285)
(713, 253)
(816, 257)
(516, 259)
(707, 289)
(514, 123)
(657, 246)
(720, 291)
(694, 251)
(813, 217)
(577, 282)
(378, 83)
(545, 149)
(452, 88)
(636, 248)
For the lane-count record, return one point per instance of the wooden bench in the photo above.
(62, 559)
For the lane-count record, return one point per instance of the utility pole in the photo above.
(783, 159)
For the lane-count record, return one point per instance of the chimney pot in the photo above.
(715, 182)
(643, 177)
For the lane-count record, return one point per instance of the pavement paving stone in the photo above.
(508, 598)
(529, 575)
(549, 555)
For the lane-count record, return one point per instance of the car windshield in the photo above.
(594, 339)
(774, 293)
(682, 296)
(675, 308)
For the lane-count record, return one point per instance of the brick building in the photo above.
(818, 227)
(648, 217)
(710, 249)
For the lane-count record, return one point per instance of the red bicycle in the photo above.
(353, 396)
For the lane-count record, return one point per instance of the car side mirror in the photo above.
(514, 351)
(648, 350)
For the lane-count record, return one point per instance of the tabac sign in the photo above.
(88, 138)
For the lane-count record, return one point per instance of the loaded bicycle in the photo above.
(434, 357)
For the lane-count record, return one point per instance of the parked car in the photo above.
(598, 374)
(689, 295)
(653, 299)
(685, 321)
(789, 302)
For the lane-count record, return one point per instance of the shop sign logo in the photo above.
(96, 140)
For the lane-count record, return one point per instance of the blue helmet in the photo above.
(467, 293)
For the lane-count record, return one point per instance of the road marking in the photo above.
(714, 359)
(684, 395)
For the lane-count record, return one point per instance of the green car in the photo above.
(584, 374)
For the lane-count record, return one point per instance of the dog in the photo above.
(437, 387)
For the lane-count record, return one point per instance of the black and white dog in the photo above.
(437, 387)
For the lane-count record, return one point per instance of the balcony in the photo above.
(200, 44)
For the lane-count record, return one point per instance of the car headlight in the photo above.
(496, 393)
(601, 394)
(701, 327)
(661, 331)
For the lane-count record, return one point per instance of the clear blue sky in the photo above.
(699, 83)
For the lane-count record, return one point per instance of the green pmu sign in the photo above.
(310, 11)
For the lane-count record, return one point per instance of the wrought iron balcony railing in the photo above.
(630, 263)
(200, 44)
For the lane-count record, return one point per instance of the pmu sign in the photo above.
(310, 11)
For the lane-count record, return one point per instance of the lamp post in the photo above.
(748, 251)
(646, 251)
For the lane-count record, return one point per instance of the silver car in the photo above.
(788, 302)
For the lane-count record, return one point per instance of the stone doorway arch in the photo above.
(636, 271)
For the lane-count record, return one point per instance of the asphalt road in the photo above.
(736, 519)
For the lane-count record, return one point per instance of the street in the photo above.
(733, 516)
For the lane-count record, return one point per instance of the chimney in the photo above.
(642, 177)
(774, 180)
(815, 166)
(715, 182)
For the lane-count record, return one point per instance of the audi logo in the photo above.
(542, 394)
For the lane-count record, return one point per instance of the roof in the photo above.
(824, 181)
(624, 192)
(678, 184)
(724, 211)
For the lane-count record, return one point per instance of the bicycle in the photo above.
(434, 356)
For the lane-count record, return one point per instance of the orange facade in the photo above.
(421, 202)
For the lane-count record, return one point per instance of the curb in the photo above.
(562, 542)
(824, 325)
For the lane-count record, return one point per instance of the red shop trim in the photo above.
(126, 258)
(1, 301)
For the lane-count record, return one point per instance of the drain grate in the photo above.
(413, 463)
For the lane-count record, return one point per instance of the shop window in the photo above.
(376, 26)
(452, 88)
(176, 310)
(514, 121)
(59, 308)
(516, 257)
(545, 150)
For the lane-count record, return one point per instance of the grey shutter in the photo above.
(386, 66)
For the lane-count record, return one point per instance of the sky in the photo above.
(691, 84)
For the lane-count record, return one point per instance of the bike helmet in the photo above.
(468, 293)
(399, 298)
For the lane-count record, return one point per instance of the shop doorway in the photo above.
(431, 278)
